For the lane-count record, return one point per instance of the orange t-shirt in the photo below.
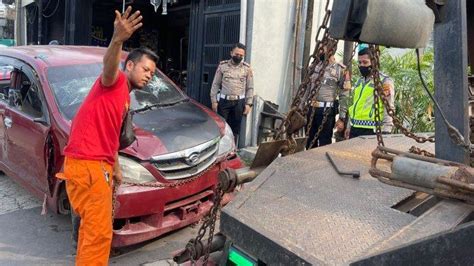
(95, 129)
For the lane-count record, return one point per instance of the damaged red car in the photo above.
(178, 140)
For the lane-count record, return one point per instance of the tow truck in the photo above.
(372, 200)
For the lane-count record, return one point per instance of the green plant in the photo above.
(412, 105)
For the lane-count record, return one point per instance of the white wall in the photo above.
(318, 16)
(270, 37)
(271, 48)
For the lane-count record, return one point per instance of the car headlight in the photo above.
(134, 172)
(226, 144)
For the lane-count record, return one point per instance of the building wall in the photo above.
(270, 30)
(271, 39)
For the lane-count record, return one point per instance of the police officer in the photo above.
(335, 84)
(234, 83)
(361, 112)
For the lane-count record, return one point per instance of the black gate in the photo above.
(215, 28)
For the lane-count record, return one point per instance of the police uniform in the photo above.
(232, 89)
(361, 111)
(332, 87)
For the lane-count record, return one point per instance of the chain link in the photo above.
(378, 92)
(212, 220)
(419, 151)
(374, 52)
(326, 111)
(209, 220)
(156, 185)
(297, 103)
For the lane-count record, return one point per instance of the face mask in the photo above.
(321, 58)
(365, 70)
(236, 59)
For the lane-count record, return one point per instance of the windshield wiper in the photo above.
(151, 106)
(145, 108)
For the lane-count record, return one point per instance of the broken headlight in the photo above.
(134, 172)
(226, 144)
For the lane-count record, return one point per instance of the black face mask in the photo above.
(365, 70)
(237, 59)
(322, 57)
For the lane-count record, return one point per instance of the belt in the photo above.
(322, 104)
(232, 97)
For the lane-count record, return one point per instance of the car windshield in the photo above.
(71, 84)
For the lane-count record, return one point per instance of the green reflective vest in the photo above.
(361, 112)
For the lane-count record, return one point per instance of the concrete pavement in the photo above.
(29, 238)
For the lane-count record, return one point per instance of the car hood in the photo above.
(171, 129)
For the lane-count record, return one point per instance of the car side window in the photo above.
(24, 96)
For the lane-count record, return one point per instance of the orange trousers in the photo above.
(89, 188)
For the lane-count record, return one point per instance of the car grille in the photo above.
(183, 164)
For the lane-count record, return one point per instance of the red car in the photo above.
(177, 139)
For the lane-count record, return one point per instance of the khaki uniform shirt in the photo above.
(230, 79)
(332, 87)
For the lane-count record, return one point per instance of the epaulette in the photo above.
(384, 77)
(246, 64)
(224, 62)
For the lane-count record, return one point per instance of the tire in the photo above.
(76, 222)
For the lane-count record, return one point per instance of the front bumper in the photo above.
(143, 213)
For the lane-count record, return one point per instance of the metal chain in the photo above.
(419, 151)
(209, 221)
(378, 92)
(326, 41)
(353, 52)
(320, 128)
(156, 185)
(374, 52)
(212, 223)
(327, 111)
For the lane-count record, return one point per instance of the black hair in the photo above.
(240, 46)
(364, 51)
(136, 55)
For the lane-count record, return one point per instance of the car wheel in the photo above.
(76, 222)
(64, 207)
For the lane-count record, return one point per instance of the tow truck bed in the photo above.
(300, 211)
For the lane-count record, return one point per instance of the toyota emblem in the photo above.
(192, 159)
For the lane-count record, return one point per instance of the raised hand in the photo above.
(125, 24)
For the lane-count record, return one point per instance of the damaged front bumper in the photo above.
(144, 213)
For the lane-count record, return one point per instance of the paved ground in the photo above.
(29, 238)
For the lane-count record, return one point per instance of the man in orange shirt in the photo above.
(92, 150)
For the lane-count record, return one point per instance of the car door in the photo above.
(27, 127)
(3, 107)
(5, 83)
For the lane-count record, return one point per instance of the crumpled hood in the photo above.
(171, 129)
